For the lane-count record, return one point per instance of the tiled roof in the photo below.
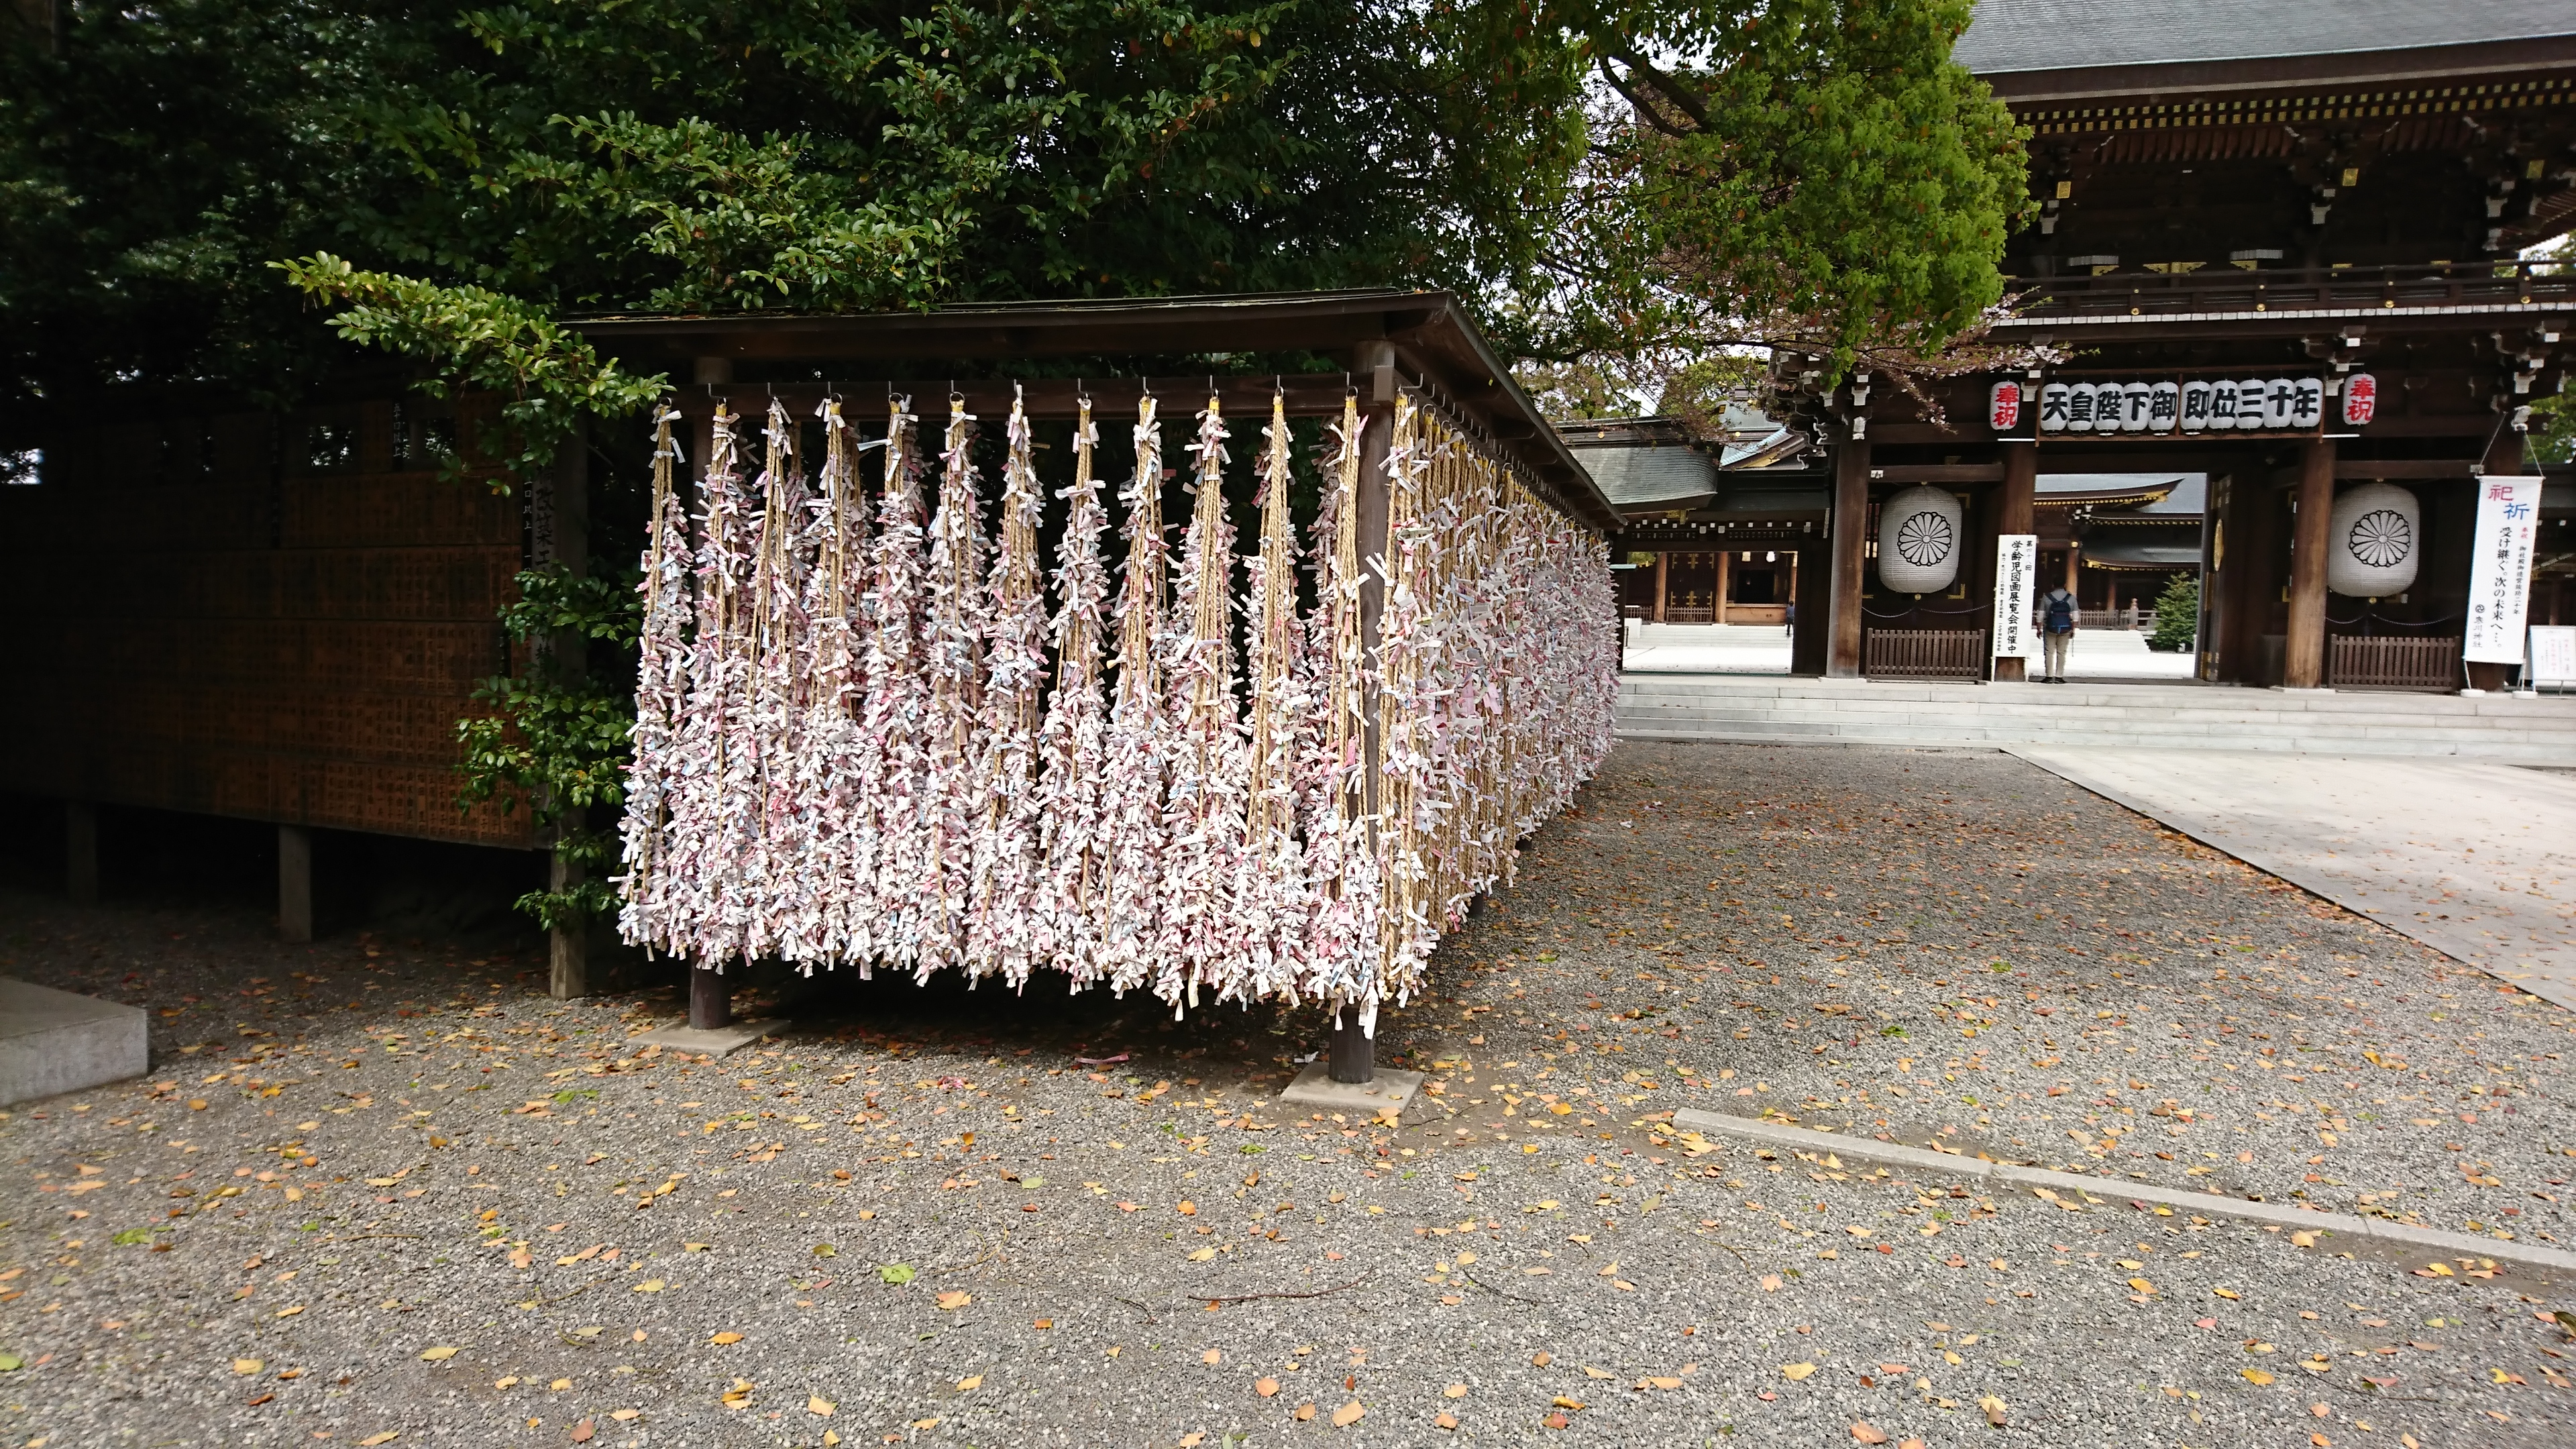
(2040, 35)
(1642, 478)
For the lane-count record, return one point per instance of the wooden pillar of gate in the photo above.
(2303, 653)
(2014, 503)
(1725, 557)
(1663, 562)
(1352, 1056)
(1851, 517)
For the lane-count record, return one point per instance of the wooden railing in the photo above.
(1677, 614)
(2220, 287)
(1925, 654)
(2353, 662)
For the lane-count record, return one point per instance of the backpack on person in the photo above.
(2061, 613)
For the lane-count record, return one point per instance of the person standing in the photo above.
(2056, 631)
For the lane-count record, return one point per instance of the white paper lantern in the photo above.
(2249, 402)
(2134, 400)
(2053, 407)
(2360, 399)
(1918, 540)
(2003, 405)
(2164, 403)
(2110, 404)
(2280, 402)
(2373, 539)
(2196, 398)
(2307, 402)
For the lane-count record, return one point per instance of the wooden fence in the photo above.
(2353, 662)
(1925, 654)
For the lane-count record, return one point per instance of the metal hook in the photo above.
(1081, 394)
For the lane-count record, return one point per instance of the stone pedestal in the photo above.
(53, 1041)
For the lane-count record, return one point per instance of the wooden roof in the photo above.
(1434, 343)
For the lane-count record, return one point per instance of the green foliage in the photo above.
(1816, 172)
(813, 154)
(554, 735)
(2177, 615)
(479, 339)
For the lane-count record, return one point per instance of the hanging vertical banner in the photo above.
(2500, 569)
(2016, 573)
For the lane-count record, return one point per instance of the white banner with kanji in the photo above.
(2500, 569)
(2016, 574)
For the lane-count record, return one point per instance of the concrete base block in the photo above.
(679, 1036)
(1388, 1091)
(53, 1041)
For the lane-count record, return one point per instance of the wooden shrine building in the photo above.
(2327, 200)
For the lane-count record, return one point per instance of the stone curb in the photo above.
(2005, 1174)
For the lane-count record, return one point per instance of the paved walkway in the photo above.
(2476, 861)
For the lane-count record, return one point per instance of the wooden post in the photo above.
(565, 544)
(2303, 655)
(2071, 578)
(710, 999)
(1352, 1053)
(1851, 518)
(294, 883)
(1661, 558)
(80, 852)
(1725, 558)
(2012, 509)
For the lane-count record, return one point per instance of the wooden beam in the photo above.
(1940, 472)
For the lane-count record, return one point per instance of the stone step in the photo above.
(1778, 710)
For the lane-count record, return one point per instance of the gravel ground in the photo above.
(380, 1187)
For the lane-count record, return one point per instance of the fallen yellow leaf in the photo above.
(1590, 1372)
(1798, 1370)
(1201, 1255)
(2142, 1285)
(955, 1300)
(387, 1437)
(1454, 1391)
(1265, 1387)
(440, 1354)
(1562, 1402)
(2256, 1376)
(1348, 1414)
(1304, 1412)
(1770, 1282)
(650, 1285)
(819, 1406)
(726, 1337)
(970, 1383)
(1214, 1355)
(2224, 1292)
(246, 1366)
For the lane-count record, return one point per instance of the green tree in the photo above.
(2177, 615)
(1811, 173)
(214, 192)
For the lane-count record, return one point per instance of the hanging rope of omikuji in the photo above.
(870, 731)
